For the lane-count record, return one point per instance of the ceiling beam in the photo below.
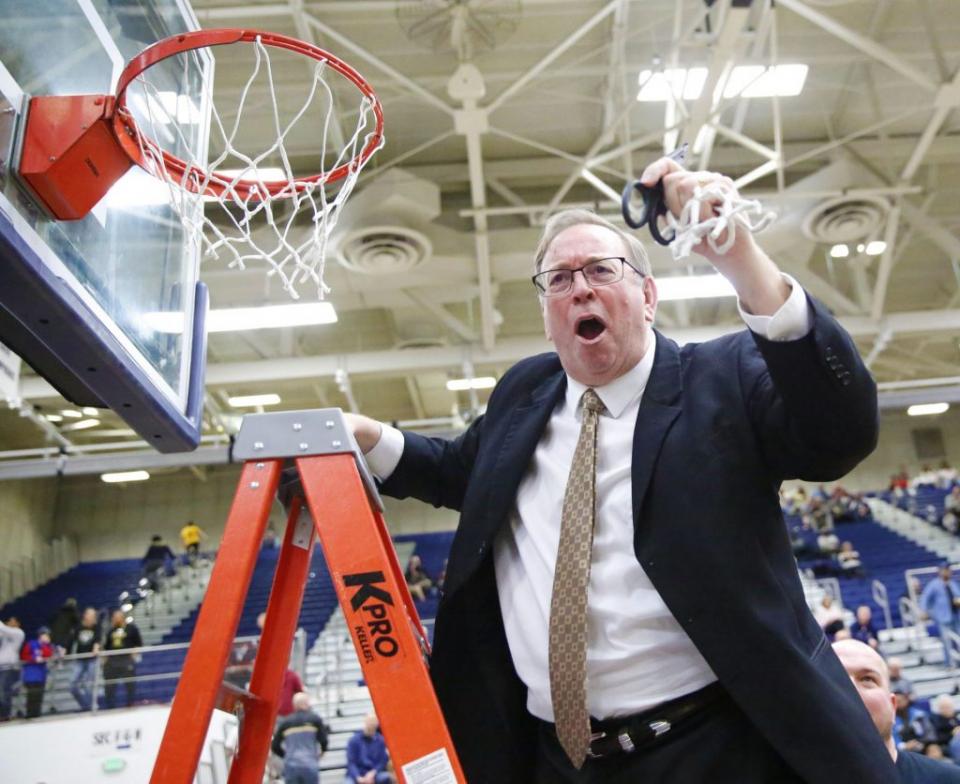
(425, 95)
(948, 98)
(556, 52)
(866, 45)
(389, 363)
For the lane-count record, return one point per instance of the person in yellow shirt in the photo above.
(191, 535)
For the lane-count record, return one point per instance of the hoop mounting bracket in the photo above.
(70, 156)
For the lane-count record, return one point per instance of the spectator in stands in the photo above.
(829, 616)
(418, 580)
(899, 482)
(820, 515)
(122, 635)
(11, 641)
(35, 654)
(158, 558)
(862, 628)
(946, 475)
(271, 540)
(828, 542)
(940, 601)
(951, 510)
(849, 561)
(242, 657)
(300, 739)
(943, 717)
(367, 758)
(898, 682)
(64, 624)
(86, 642)
(191, 535)
(926, 478)
(793, 502)
(291, 685)
(912, 728)
(869, 675)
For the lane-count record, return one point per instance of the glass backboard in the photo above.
(76, 296)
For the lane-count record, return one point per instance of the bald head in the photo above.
(870, 677)
(301, 701)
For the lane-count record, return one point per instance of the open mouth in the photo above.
(590, 328)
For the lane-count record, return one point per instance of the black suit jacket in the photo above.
(720, 425)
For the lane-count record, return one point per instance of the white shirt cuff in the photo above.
(383, 458)
(791, 322)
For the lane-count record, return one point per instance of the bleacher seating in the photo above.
(433, 549)
(92, 584)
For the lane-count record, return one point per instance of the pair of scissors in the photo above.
(653, 202)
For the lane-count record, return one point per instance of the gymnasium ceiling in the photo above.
(871, 146)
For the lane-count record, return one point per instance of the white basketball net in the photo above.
(733, 213)
(263, 226)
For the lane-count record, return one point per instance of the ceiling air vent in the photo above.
(845, 219)
(383, 250)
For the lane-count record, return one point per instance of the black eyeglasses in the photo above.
(599, 272)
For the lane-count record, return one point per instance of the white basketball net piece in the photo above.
(262, 226)
(732, 213)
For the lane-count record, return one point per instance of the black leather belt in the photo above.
(627, 734)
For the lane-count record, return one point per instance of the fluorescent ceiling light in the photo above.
(91, 411)
(242, 401)
(748, 81)
(70, 413)
(83, 424)
(694, 287)
(663, 85)
(242, 319)
(125, 476)
(926, 409)
(876, 247)
(479, 382)
(759, 81)
(53, 417)
(839, 251)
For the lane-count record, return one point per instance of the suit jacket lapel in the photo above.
(518, 439)
(521, 436)
(658, 410)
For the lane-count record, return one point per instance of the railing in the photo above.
(953, 647)
(879, 591)
(70, 685)
(831, 587)
(23, 574)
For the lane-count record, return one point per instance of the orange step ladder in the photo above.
(331, 494)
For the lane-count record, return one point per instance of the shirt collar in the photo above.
(622, 391)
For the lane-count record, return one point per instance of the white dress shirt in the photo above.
(638, 656)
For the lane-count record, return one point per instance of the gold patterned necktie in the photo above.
(568, 604)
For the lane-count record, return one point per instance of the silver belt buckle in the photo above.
(595, 736)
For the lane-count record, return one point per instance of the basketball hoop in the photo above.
(76, 147)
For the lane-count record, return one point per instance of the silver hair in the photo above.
(561, 221)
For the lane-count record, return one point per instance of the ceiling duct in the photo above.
(383, 229)
(824, 208)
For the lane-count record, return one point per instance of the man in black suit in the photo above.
(684, 651)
